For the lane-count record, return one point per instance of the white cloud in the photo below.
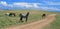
(10, 5)
(3, 3)
(35, 5)
(31, 5)
(20, 4)
(27, 4)
(50, 8)
(51, 3)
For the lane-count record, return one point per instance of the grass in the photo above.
(6, 21)
(55, 24)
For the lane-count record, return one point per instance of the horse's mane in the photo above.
(27, 14)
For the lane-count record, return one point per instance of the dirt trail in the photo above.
(35, 25)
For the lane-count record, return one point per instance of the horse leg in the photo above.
(9, 15)
(43, 17)
(21, 19)
(26, 19)
(14, 15)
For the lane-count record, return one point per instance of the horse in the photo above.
(7, 14)
(43, 15)
(10, 14)
(22, 16)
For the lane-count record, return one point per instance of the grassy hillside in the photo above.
(55, 24)
(6, 21)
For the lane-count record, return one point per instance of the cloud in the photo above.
(26, 4)
(50, 8)
(31, 5)
(51, 3)
(3, 3)
(20, 4)
(35, 5)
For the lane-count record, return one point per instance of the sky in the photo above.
(53, 5)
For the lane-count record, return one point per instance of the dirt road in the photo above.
(36, 25)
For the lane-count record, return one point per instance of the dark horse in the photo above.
(10, 14)
(43, 15)
(22, 16)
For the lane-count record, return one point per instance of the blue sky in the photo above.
(39, 4)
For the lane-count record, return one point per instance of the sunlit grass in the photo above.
(5, 21)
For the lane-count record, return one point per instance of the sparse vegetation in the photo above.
(55, 24)
(5, 21)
